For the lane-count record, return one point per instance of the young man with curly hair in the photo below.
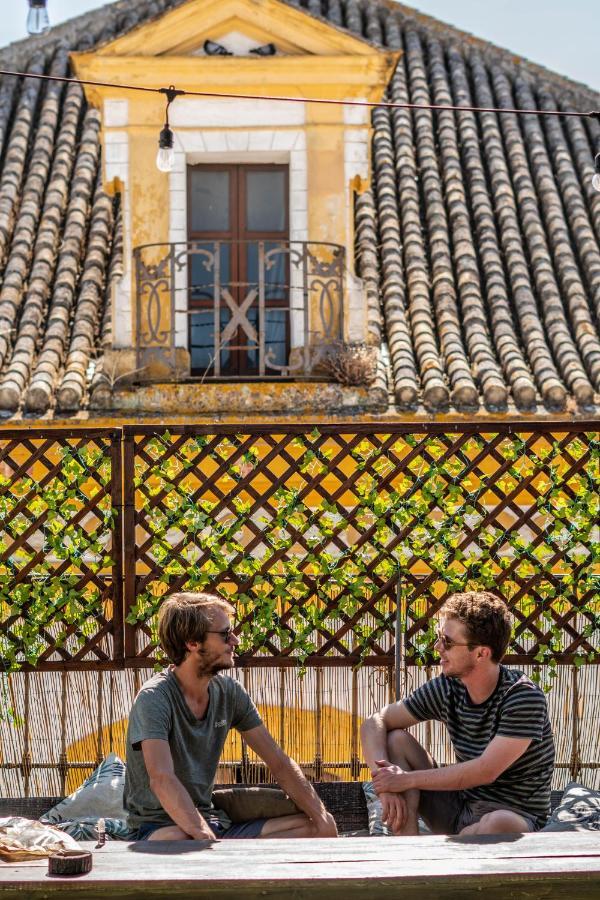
(497, 720)
(177, 729)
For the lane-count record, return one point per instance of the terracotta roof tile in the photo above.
(478, 242)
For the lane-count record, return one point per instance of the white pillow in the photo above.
(579, 810)
(100, 795)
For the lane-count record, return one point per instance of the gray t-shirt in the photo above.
(160, 712)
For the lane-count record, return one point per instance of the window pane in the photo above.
(275, 337)
(202, 269)
(275, 340)
(209, 199)
(202, 341)
(276, 264)
(265, 201)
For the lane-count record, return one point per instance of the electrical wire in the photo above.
(385, 104)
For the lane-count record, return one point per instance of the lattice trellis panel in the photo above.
(329, 539)
(60, 548)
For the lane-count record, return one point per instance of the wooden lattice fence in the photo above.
(61, 601)
(336, 540)
(337, 543)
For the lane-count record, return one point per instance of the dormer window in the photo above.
(237, 257)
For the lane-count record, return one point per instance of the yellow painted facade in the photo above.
(314, 61)
(304, 735)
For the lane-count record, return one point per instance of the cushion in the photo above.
(242, 804)
(579, 810)
(100, 795)
(376, 824)
(86, 829)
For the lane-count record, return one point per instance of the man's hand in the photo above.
(325, 825)
(394, 812)
(204, 833)
(389, 778)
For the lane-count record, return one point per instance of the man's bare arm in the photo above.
(289, 777)
(172, 795)
(500, 753)
(374, 731)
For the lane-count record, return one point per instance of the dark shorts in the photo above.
(448, 812)
(250, 829)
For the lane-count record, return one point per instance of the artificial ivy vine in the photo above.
(308, 574)
(311, 534)
(55, 531)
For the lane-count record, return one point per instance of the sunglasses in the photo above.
(448, 643)
(226, 634)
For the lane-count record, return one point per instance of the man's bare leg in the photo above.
(296, 826)
(405, 751)
(169, 833)
(500, 821)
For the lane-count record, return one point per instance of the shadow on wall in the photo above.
(299, 741)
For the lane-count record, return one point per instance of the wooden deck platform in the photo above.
(520, 866)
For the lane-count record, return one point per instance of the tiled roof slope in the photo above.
(479, 242)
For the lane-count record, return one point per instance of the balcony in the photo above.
(237, 310)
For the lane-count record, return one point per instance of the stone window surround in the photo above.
(286, 147)
(225, 141)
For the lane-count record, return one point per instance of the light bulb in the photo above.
(37, 17)
(165, 158)
(596, 181)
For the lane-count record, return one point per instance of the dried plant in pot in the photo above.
(352, 364)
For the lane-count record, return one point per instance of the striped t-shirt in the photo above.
(517, 708)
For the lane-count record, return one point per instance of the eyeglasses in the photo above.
(226, 634)
(448, 643)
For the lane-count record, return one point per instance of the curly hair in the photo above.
(185, 617)
(486, 619)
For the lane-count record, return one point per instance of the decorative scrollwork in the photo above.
(283, 270)
(153, 336)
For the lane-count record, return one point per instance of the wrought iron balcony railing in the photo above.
(243, 309)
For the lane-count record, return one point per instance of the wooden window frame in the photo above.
(237, 234)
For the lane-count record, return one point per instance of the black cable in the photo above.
(172, 92)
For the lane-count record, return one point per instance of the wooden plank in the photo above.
(541, 845)
(466, 886)
(524, 866)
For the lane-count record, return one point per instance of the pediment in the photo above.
(239, 26)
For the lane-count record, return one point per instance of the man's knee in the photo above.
(298, 825)
(398, 740)
(169, 833)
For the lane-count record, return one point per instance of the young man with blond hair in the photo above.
(498, 724)
(177, 729)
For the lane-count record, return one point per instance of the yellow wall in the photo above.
(300, 742)
(324, 62)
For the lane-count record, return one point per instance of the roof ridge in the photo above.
(74, 29)
(503, 54)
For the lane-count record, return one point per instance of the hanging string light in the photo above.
(165, 158)
(37, 17)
